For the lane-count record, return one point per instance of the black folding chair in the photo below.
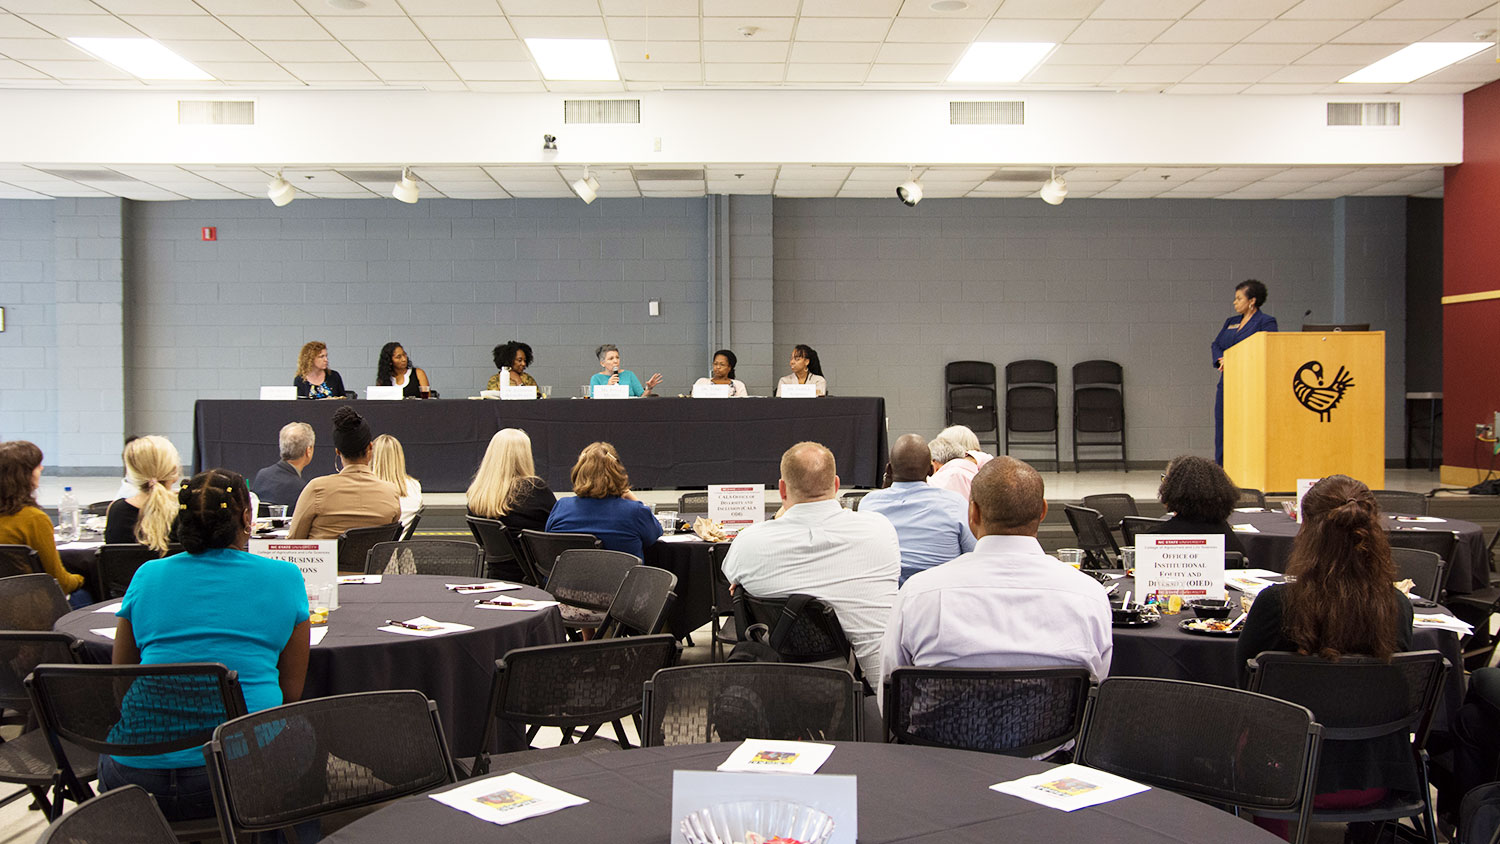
(692, 502)
(1479, 815)
(31, 602)
(1113, 506)
(1031, 406)
(1211, 743)
(355, 545)
(721, 621)
(585, 582)
(1395, 501)
(125, 815)
(19, 559)
(850, 500)
(1098, 544)
(573, 685)
(446, 557)
(1251, 498)
(1098, 409)
(1130, 526)
(640, 606)
(1012, 711)
(970, 388)
(1426, 570)
(293, 764)
(27, 758)
(503, 556)
(118, 563)
(411, 529)
(719, 702)
(802, 628)
(1360, 700)
(542, 549)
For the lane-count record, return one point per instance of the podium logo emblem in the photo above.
(1316, 395)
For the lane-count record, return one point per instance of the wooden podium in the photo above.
(1305, 405)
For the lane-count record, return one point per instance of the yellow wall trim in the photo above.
(1460, 475)
(1471, 297)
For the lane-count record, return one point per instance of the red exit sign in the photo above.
(210, 233)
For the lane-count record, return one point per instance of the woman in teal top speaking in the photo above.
(611, 373)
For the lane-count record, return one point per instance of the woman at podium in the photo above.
(1249, 298)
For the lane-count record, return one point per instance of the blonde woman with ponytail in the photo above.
(153, 469)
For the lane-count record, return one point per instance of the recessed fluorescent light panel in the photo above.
(581, 59)
(1000, 61)
(141, 57)
(1416, 61)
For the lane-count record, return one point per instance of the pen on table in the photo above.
(395, 623)
(499, 602)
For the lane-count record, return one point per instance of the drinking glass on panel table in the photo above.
(1127, 557)
(668, 520)
(546, 390)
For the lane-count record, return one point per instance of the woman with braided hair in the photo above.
(214, 603)
(1343, 602)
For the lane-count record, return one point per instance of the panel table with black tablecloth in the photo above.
(664, 442)
(454, 669)
(905, 793)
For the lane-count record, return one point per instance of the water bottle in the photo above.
(68, 516)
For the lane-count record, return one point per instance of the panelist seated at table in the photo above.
(932, 524)
(353, 498)
(213, 603)
(1341, 603)
(148, 516)
(611, 373)
(388, 462)
(282, 482)
(22, 522)
(395, 369)
(1199, 497)
(722, 373)
(507, 488)
(603, 505)
(806, 369)
(515, 356)
(314, 380)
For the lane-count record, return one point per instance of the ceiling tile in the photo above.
(459, 29)
(1213, 32)
(1046, 8)
(652, 29)
(39, 48)
(1194, 54)
(1117, 32)
(496, 71)
(731, 72)
(394, 51)
(934, 29)
(716, 52)
(84, 26)
(908, 73)
(1400, 32)
(849, 8)
(976, 9)
(305, 51)
(544, 8)
(79, 70)
(1435, 8)
(193, 27)
(1338, 9)
(844, 52)
(1342, 54)
(446, 7)
(655, 71)
(640, 8)
(810, 72)
(277, 28)
(561, 28)
(1235, 9)
(1226, 73)
(1018, 29)
(749, 8)
(330, 71)
(16, 70)
(1078, 74)
(56, 7)
(14, 27)
(1093, 53)
(1281, 89)
(1206, 89)
(893, 53)
(1148, 74)
(658, 51)
(508, 87)
(1144, 9)
(248, 71)
(508, 50)
(412, 71)
(1299, 32)
(842, 29)
(1273, 54)
(251, 7)
(372, 29)
(149, 7)
(216, 51)
(728, 29)
(1306, 74)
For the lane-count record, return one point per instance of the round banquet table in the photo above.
(906, 793)
(454, 669)
(692, 562)
(1164, 650)
(1271, 545)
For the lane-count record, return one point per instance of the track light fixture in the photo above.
(909, 191)
(587, 187)
(1054, 190)
(280, 191)
(406, 190)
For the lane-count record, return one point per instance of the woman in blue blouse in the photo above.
(611, 373)
(602, 504)
(1249, 296)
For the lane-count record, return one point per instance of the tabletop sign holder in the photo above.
(737, 506)
(269, 392)
(611, 391)
(317, 558)
(1190, 565)
(711, 391)
(526, 393)
(798, 391)
(1303, 485)
(833, 794)
(383, 393)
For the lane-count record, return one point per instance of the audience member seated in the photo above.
(603, 504)
(517, 357)
(395, 369)
(611, 373)
(507, 487)
(126, 488)
(282, 481)
(1474, 741)
(722, 372)
(353, 498)
(848, 559)
(806, 369)
(1007, 603)
(388, 462)
(931, 523)
(214, 603)
(314, 380)
(22, 522)
(1341, 603)
(956, 458)
(1199, 497)
(154, 469)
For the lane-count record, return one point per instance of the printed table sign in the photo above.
(1190, 565)
(507, 798)
(317, 558)
(736, 506)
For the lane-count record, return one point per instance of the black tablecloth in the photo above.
(905, 793)
(454, 670)
(695, 582)
(1164, 650)
(1469, 570)
(664, 442)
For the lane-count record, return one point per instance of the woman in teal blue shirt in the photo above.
(611, 373)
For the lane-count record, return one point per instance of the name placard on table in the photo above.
(798, 391)
(383, 393)
(317, 558)
(1190, 565)
(711, 391)
(509, 393)
(270, 392)
(611, 391)
(737, 506)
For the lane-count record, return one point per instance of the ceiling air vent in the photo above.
(987, 112)
(601, 111)
(216, 112)
(1364, 114)
(88, 174)
(1020, 175)
(645, 175)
